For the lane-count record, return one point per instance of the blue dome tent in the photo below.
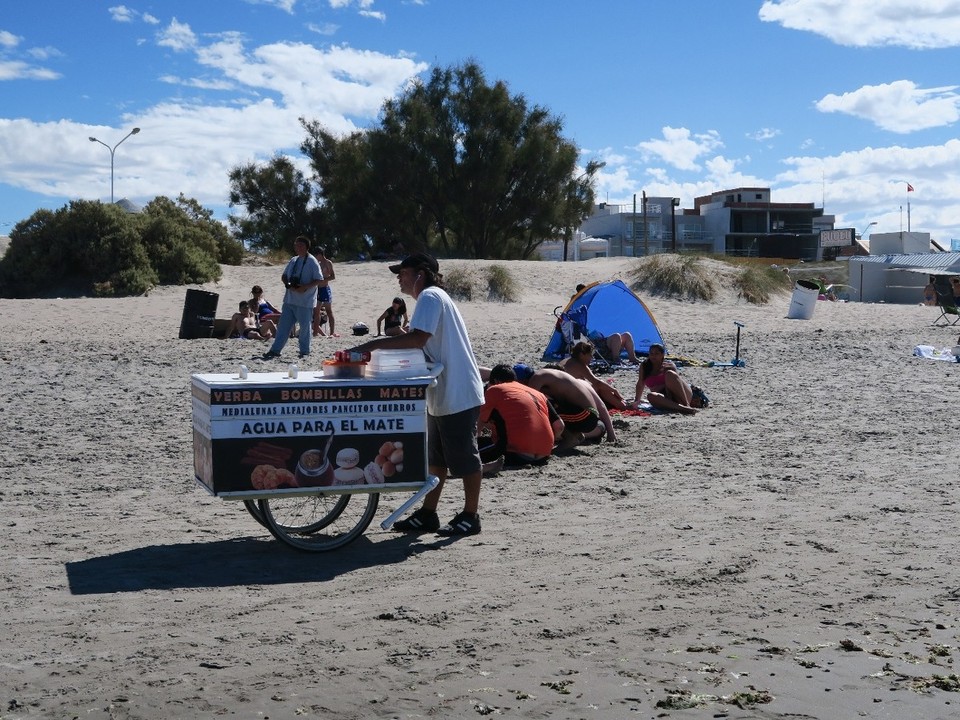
(611, 307)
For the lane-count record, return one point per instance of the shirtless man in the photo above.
(243, 324)
(324, 295)
(584, 415)
(578, 365)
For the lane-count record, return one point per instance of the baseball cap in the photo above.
(523, 372)
(417, 261)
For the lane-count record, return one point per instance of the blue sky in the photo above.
(837, 102)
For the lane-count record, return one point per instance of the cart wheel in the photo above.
(254, 510)
(334, 505)
(319, 522)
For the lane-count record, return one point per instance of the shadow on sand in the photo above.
(242, 561)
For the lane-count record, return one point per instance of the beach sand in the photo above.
(789, 552)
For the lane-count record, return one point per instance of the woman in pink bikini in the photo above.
(666, 389)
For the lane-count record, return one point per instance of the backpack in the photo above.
(572, 324)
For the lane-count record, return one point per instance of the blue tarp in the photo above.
(611, 307)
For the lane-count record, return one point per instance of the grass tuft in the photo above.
(458, 283)
(678, 276)
(756, 284)
(501, 286)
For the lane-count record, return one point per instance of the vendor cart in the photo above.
(309, 454)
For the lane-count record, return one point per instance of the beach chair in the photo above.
(948, 308)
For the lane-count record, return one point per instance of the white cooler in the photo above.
(397, 363)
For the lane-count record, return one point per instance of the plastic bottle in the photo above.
(293, 371)
(243, 372)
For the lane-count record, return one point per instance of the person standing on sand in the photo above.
(301, 278)
(930, 292)
(324, 294)
(453, 406)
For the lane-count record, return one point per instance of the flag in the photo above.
(909, 187)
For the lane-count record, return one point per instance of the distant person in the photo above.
(523, 423)
(578, 365)
(930, 292)
(301, 277)
(394, 319)
(955, 285)
(324, 295)
(666, 389)
(244, 325)
(262, 307)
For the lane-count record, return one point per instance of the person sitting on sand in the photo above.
(243, 324)
(394, 319)
(523, 423)
(584, 415)
(262, 307)
(578, 365)
(666, 389)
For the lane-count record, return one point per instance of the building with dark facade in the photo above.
(742, 221)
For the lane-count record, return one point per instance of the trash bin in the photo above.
(804, 300)
(199, 312)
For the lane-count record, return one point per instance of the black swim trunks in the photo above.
(577, 419)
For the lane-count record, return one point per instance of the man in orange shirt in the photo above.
(524, 424)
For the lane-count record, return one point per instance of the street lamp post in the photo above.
(112, 151)
(869, 225)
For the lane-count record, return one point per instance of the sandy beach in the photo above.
(789, 552)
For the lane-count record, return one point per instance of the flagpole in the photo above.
(909, 190)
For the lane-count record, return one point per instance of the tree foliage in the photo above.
(277, 199)
(455, 164)
(91, 248)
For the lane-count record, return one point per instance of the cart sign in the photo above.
(837, 238)
(268, 432)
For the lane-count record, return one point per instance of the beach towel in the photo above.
(643, 410)
(929, 352)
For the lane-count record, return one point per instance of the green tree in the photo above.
(277, 199)
(89, 247)
(455, 164)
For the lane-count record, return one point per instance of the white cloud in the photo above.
(16, 70)
(285, 5)
(918, 24)
(899, 107)
(326, 29)
(190, 146)
(149, 19)
(121, 13)
(44, 53)
(198, 83)
(9, 40)
(681, 148)
(376, 15)
(763, 134)
(177, 36)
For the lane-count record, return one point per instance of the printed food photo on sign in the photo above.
(317, 461)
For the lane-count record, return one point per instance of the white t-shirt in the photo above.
(304, 271)
(459, 386)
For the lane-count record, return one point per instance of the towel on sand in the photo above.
(929, 352)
